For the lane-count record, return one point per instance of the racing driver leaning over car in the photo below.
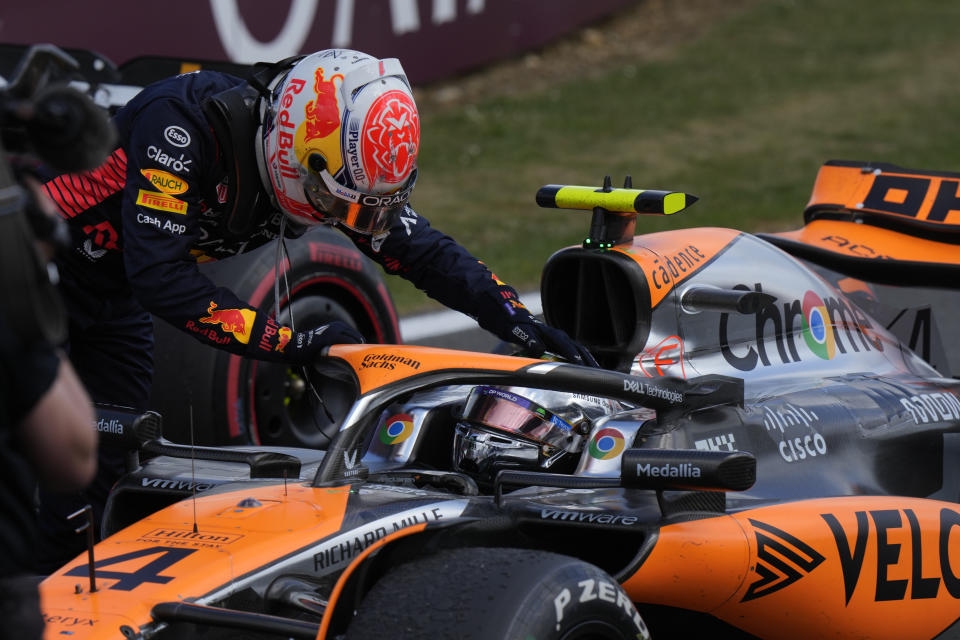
(209, 166)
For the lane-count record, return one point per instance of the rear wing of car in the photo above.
(882, 223)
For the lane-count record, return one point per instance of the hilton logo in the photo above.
(188, 536)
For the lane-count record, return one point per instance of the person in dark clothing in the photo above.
(47, 432)
(208, 166)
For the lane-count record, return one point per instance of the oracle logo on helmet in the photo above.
(388, 200)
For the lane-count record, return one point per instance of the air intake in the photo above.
(600, 299)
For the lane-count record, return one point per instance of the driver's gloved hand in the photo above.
(305, 346)
(537, 338)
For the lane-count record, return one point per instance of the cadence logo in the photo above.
(817, 331)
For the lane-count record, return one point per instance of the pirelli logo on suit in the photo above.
(161, 202)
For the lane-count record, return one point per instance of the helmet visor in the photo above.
(362, 212)
(515, 414)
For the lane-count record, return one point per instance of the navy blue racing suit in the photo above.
(142, 221)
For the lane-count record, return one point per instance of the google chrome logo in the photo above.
(606, 444)
(817, 329)
(396, 429)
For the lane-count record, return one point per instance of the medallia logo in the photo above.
(606, 444)
(817, 330)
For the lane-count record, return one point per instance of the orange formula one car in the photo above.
(770, 451)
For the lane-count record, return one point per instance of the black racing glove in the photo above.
(306, 345)
(537, 338)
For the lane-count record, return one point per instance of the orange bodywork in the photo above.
(378, 365)
(666, 263)
(865, 241)
(167, 561)
(900, 193)
(342, 580)
(863, 567)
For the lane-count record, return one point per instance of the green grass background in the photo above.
(742, 116)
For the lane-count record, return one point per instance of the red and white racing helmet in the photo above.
(340, 139)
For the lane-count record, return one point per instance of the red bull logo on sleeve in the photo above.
(239, 322)
(283, 337)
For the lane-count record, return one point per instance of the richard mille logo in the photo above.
(782, 559)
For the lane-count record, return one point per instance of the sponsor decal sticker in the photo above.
(722, 442)
(932, 407)
(782, 559)
(795, 448)
(283, 338)
(817, 330)
(165, 182)
(164, 225)
(110, 426)
(664, 359)
(788, 416)
(607, 444)
(176, 164)
(594, 517)
(274, 338)
(68, 621)
(104, 236)
(177, 136)
(161, 202)
(177, 485)
(912, 550)
(801, 448)
(682, 470)
(396, 429)
(239, 322)
(322, 115)
(829, 326)
(338, 551)
(189, 537)
(387, 361)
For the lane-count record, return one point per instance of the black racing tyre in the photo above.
(234, 400)
(488, 593)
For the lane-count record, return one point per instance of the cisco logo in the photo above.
(176, 136)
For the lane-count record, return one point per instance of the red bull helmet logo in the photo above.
(322, 115)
